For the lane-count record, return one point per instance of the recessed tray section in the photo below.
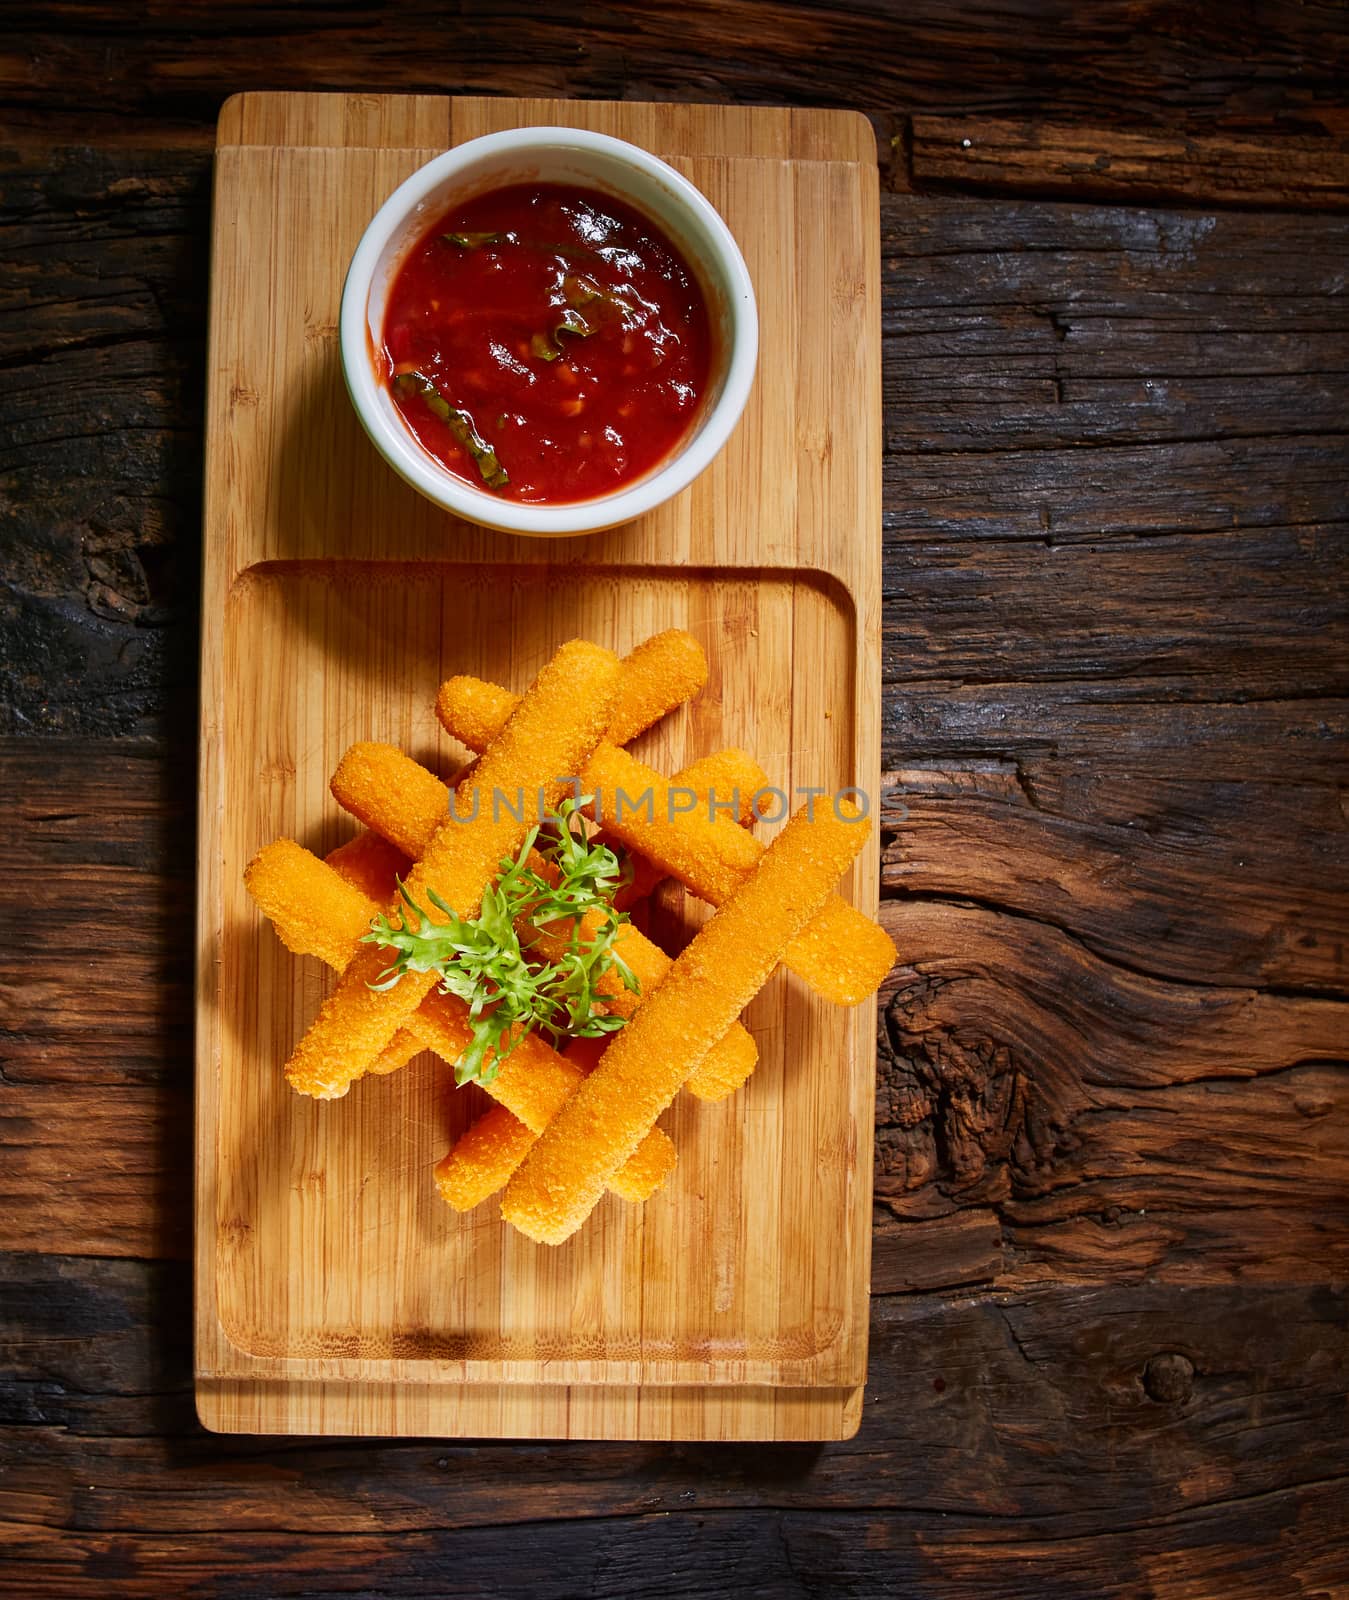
(332, 1240)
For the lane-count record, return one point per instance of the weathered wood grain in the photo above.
(1273, 1547)
(1269, 622)
(1167, 728)
(1214, 883)
(102, 322)
(96, 869)
(1051, 158)
(96, 1171)
(111, 825)
(1119, 1433)
(1118, 1126)
(1120, 489)
(1207, 66)
(1071, 375)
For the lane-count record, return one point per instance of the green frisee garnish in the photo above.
(523, 965)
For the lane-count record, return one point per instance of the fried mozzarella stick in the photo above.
(728, 962)
(392, 794)
(317, 912)
(660, 674)
(844, 958)
(482, 1162)
(549, 735)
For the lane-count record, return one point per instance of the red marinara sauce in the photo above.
(547, 343)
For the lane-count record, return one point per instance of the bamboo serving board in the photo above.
(335, 1292)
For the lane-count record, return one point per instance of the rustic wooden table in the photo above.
(1112, 1226)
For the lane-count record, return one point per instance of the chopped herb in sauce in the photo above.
(473, 241)
(460, 425)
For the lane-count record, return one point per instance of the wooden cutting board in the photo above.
(335, 1292)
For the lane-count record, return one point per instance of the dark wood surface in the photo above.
(1111, 1292)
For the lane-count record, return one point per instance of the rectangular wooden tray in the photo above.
(335, 1292)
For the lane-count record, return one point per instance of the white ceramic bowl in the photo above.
(551, 155)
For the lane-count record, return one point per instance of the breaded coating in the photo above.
(644, 876)
(723, 1070)
(844, 956)
(678, 836)
(729, 779)
(482, 1159)
(397, 1053)
(725, 966)
(845, 960)
(470, 709)
(376, 789)
(371, 864)
(534, 1083)
(419, 801)
(316, 913)
(645, 1170)
(550, 735)
(660, 674)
